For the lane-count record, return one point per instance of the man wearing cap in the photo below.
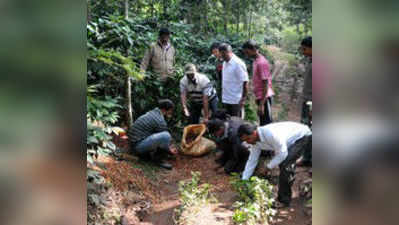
(200, 93)
(161, 56)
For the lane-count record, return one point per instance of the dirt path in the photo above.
(163, 210)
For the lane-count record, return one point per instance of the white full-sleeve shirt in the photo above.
(277, 137)
(234, 74)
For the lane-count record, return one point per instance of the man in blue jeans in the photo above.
(149, 137)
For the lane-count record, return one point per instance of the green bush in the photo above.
(255, 201)
(102, 115)
(116, 46)
(193, 196)
(290, 40)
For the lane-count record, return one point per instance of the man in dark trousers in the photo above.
(149, 136)
(288, 140)
(306, 49)
(200, 93)
(234, 81)
(235, 154)
(261, 82)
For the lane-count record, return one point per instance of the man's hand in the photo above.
(186, 112)
(205, 121)
(220, 170)
(261, 109)
(242, 102)
(173, 149)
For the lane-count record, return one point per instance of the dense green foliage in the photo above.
(255, 201)
(112, 37)
(193, 196)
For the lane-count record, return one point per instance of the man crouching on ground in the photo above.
(235, 154)
(288, 140)
(149, 137)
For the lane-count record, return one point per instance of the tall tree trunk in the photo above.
(245, 10)
(226, 11)
(128, 85)
(205, 22)
(238, 17)
(250, 23)
(129, 115)
(88, 11)
(126, 9)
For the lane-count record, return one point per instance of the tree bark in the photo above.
(238, 17)
(128, 85)
(250, 23)
(226, 11)
(129, 115)
(205, 23)
(88, 11)
(126, 9)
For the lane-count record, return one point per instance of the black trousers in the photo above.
(233, 109)
(196, 110)
(233, 158)
(287, 168)
(266, 118)
(306, 119)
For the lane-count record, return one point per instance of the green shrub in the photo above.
(255, 201)
(193, 197)
(290, 40)
(102, 115)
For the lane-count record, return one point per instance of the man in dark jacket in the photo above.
(149, 137)
(235, 153)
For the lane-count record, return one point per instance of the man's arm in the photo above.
(243, 77)
(282, 153)
(261, 107)
(244, 93)
(206, 92)
(206, 107)
(146, 60)
(184, 103)
(251, 163)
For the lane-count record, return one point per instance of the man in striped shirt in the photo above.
(149, 137)
(199, 90)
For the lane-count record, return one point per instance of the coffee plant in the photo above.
(255, 201)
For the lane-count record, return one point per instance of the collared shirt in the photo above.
(277, 137)
(161, 58)
(234, 74)
(261, 72)
(202, 86)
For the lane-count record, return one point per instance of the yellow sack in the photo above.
(193, 143)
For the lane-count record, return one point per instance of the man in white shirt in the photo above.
(288, 140)
(234, 81)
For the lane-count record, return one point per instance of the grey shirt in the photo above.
(307, 87)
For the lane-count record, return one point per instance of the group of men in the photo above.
(241, 143)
